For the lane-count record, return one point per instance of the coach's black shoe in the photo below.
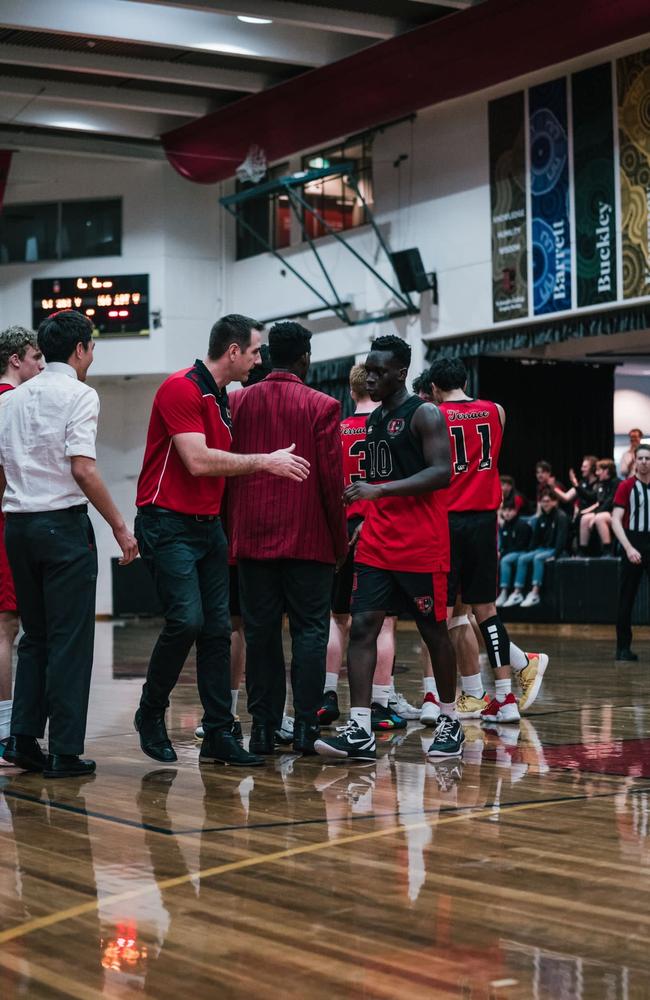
(223, 748)
(626, 654)
(24, 752)
(354, 743)
(262, 739)
(66, 765)
(303, 738)
(328, 713)
(154, 740)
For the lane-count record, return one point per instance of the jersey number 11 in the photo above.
(461, 463)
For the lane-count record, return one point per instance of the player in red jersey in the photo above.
(384, 715)
(20, 360)
(474, 496)
(402, 554)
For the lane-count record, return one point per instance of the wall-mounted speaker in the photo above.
(410, 272)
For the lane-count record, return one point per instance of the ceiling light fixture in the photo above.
(254, 20)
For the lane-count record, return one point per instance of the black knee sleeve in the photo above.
(497, 641)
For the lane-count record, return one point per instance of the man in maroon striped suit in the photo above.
(287, 538)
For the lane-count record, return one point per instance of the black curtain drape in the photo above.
(558, 411)
(331, 377)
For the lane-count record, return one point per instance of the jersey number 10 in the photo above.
(461, 463)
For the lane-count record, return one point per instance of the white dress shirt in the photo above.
(44, 423)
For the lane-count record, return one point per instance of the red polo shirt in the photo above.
(188, 402)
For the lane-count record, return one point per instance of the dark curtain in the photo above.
(557, 411)
(331, 377)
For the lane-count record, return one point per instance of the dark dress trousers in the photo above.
(286, 537)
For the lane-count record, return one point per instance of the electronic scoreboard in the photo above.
(117, 305)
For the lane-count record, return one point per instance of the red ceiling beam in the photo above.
(460, 54)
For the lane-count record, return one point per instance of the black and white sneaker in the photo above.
(448, 738)
(353, 743)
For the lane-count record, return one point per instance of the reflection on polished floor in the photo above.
(522, 871)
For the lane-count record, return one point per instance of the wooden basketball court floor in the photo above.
(522, 872)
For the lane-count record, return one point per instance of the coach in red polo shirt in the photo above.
(179, 531)
(287, 538)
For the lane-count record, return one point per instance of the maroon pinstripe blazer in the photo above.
(275, 518)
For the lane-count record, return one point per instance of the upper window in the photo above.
(335, 201)
(60, 230)
(267, 218)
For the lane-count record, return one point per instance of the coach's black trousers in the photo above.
(630, 579)
(53, 560)
(268, 588)
(188, 560)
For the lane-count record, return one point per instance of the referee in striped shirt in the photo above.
(631, 525)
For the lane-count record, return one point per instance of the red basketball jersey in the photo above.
(475, 434)
(353, 440)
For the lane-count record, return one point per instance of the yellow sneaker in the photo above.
(469, 707)
(530, 679)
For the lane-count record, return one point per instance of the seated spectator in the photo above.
(582, 493)
(627, 459)
(548, 542)
(514, 539)
(511, 495)
(544, 476)
(599, 515)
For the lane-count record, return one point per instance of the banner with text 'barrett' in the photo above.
(594, 185)
(633, 77)
(508, 207)
(549, 182)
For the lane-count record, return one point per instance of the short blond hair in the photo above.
(358, 380)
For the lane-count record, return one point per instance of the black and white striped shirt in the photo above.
(634, 497)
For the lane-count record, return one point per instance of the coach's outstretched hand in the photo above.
(284, 463)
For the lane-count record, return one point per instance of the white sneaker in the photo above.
(501, 711)
(502, 598)
(430, 711)
(531, 600)
(284, 734)
(398, 704)
(515, 598)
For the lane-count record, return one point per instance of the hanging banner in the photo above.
(633, 78)
(594, 185)
(549, 182)
(508, 207)
(5, 164)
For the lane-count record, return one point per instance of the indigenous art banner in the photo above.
(549, 181)
(506, 121)
(594, 185)
(633, 78)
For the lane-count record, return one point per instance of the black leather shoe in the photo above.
(223, 748)
(66, 765)
(262, 740)
(626, 654)
(154, 740)
(303, 738)
(24, 752)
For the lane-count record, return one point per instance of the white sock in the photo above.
(448, 708)
(331, 682)
(472, 685)
(502, 689)
(362, 718)
(430, 687)
(518, 659)
(393, 693)
(381, 694)
(234, 695)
